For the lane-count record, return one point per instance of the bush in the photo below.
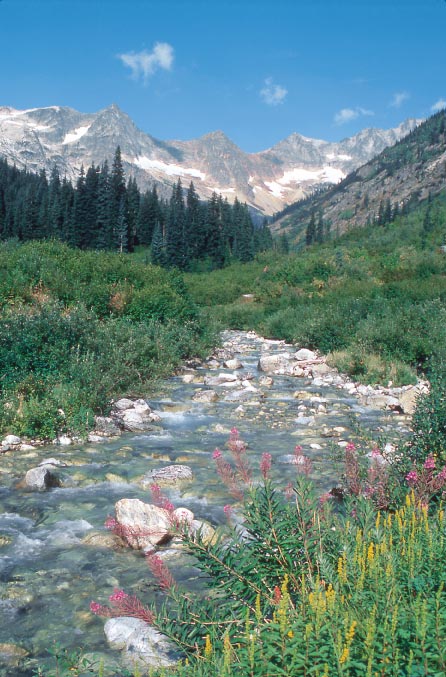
(303, 587)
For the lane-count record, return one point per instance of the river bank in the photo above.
(55, 555)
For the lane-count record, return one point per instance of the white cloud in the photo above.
(441, 103)
(143, 64)
(399, 98)
(273, 94)
(348, 114)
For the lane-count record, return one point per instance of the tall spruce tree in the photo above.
(175, 236)
(117, 200)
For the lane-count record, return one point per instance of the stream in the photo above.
(49, 572)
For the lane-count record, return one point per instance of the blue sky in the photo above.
(256, 69)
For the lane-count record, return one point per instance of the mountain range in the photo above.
(394, 181)
(268, 181)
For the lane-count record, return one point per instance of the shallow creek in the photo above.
(48, 575)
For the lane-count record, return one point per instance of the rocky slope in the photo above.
(400, 175)
(268, 181)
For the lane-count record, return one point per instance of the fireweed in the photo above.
(312, 587)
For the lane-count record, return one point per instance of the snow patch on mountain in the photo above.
(169, 169)
(76, 134)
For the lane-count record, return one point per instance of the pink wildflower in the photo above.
(118, 595)
(110, 523)
(442, 474)
(265, 464)
(95, 608)
(429, 463)
(325, 498)
(277, 595)
(217, 454)
(289, 491)
(350, 447)
(159, 570)
(412, 477)
(227, 510)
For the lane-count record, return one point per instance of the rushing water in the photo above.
(48, 575)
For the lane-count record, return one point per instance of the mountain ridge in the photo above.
(402, 174)
(269, 180)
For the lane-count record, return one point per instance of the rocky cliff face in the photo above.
(268, 181)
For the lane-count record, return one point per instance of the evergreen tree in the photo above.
(319, 236)
(175, 237)
(133, 204)
(158, 252)
(103, 214)
(310, 234)
(117, 200)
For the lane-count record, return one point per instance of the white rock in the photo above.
(123, 404)
(206, 396)
(146, 524)
(233, 364)
(305, 354)
(169, 475)
(96, 439)
(41, 478)
(143, 646)
(183, 515)
(64, 440)
(274, 363)
(11, 439)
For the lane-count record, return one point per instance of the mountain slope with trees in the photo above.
(393, 183)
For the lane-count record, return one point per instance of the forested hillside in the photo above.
(104, 212)
(391, 184)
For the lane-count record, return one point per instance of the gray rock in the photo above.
(11, 440)
(274, 363)
(206, 396)
(170, 475)
(106, 425)
(135, 421)
(234, 363)
(123, 404)
(320, 369)
(96, 439)
(144, 647)
(408, 400)
(144, 524)
(305, 354)
(42, 478)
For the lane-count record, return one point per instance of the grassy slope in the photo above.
(77, 328)
(375, 297)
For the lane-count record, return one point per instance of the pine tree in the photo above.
(319, 236)
(133, 205)
(103, 214)
(175, 240)
(117, 200)
(310, 234)
(158, 254)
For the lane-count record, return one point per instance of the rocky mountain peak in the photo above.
(41, 137)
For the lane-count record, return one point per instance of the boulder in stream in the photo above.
(144, 647)
(42, 478)
(168, 476)
(206, 396)
(143, 524)
(278, 363)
